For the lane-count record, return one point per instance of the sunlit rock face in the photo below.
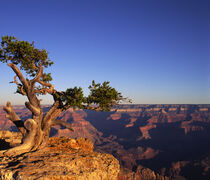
(140, 173)
(63, 158)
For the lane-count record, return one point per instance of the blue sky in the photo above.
(153, 51)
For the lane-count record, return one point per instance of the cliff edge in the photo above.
(64, 158)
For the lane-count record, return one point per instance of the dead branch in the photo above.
(28, 142)
(20, 76)
(44, 90)
(15, 81)
(14, 118)
(18, 84)
(49, 90)
(38, 75)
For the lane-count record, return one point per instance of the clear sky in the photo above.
(153, 51)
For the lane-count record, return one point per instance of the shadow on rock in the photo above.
(4, 145)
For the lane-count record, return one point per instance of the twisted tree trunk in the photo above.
(35, 131)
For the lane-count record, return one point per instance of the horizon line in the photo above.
(131, 104)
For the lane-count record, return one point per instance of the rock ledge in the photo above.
(65, 159)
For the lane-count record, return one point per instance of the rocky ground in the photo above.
(65, 158)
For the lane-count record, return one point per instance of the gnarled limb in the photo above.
(34, 110)
(38, 75)
(19, 85)
(20, 76)
(28, 142)
(26, 87)
(15, 81)
(14, 118)
(49, 90)
(44, 90)
(32, 60)
(62, 123)
(49, 117)
(22, 90)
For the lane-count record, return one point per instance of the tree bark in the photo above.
(11, 115)
(36, 130)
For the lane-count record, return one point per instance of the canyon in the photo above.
(172, 140)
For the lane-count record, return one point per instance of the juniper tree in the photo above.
(23, 56)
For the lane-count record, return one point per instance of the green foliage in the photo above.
(29, 58)
(24, 54)
(72, 97)
(103, 95)
(46, 77)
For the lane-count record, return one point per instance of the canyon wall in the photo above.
(166, 138)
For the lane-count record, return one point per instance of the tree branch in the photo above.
(22, 90)
(28, 142)
(45, 90)
(62, 123)
(20, 76)
(14, 118)
(44, 84)
(38, 75)
(26, 88)
(49, 114)
(15, 81)
(18, 84)
(33, 109)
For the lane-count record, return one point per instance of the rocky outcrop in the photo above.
(141, 173)
(63, 158)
